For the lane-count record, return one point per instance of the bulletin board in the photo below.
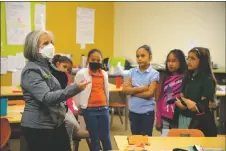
(61, 20)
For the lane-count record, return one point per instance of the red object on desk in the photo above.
(17, 91)
(118, 81)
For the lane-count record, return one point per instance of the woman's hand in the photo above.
(82, 85)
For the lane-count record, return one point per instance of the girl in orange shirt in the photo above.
(94, 101)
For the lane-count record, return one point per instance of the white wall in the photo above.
(168, 25)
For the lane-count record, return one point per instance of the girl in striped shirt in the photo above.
(171, 86)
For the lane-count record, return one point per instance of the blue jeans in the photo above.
(98, 124)
(142, 124)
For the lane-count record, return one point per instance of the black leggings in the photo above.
(47, 139)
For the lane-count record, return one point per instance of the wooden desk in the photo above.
(219, 70)
(112, 88)
(14, 113)
(169, 143)
(14, 116)
(8, 91)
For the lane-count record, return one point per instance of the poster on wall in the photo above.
(3, 65)
(16, 77)
(40, 16)
(12, 63)
(18, 22)
(85, 26)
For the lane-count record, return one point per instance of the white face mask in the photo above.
(47, 51)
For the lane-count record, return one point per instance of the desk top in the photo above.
(112, 88)
(8, 90)
(219, 70)
(14, 113)
(169, 143)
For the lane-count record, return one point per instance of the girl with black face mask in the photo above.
(94, 101)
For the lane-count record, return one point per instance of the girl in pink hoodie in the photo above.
(171, 86)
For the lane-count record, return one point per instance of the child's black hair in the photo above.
(93, 51)
(181, 57)
(147, 48)
(61, 59)
(205, 65)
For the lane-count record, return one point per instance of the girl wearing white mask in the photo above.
(42, 122)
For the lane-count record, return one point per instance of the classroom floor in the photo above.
(117, 129)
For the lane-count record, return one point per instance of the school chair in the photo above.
(5, 134)
(116, 106)
(77, 139)
(185, 133)
(114, 61)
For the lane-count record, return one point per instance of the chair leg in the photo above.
(120, 115)
(112, 115)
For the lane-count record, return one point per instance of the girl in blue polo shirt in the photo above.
(141, 85)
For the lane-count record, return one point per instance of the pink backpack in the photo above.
(171, 90)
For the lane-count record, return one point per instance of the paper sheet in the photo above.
(40, 16)
(3, 65)
(20, 60)
(18, 21)
(11, 63)
(16, 77)
(85, 26)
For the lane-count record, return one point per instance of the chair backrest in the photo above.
(185, 133)
(114, 61)
(5, 130)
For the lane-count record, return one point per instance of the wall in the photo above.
(168, 25)
(61, 20)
